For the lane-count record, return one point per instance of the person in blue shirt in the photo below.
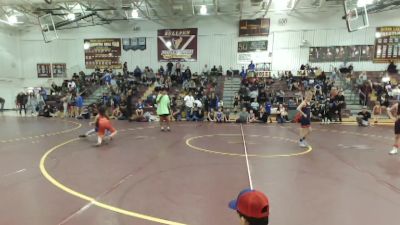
(78, 104)
(116, 99)
(251, 66)
(107, 78)
(139, 108)
(268, 108)
(243, 73)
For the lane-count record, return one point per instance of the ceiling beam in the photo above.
(241, 8)
(216, 6)
(266, 8)
(295, 4)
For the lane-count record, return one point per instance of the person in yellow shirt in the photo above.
(164, 109)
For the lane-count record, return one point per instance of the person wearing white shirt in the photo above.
(71, 85)
(189, 101)
(198, 103)
(205, 70)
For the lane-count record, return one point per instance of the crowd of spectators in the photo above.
(267, 96)
(197, 96)
(123, 93)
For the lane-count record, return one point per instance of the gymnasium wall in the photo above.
(9, 65)
(217, 45)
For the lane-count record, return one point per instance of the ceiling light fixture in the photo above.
(135, 13)
(12, 19)
(203, 10)
(86, 45)
(378, 35)
(168, 44)
(71, 16)
(362, 3)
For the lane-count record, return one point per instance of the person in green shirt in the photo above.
(163, 108)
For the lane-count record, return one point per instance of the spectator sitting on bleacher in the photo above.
(255, 106)
(137, 73)
(214, 71)
(251, 67)
(211, 115)
(205, 71)
(220, 71)
(226, 115)
(243, 116)
(377, 111)
(219, 116)
(268, 110)
(214, 101)
(252, 117)
(161, 71)
(229, 72)
(139, 108)
(189, 101)
(392, 68)
(47, 111)
(363, 116)
(187, 75)
(282, 115)
(196, 114)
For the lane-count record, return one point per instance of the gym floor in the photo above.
(188, 176)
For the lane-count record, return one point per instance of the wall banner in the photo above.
(134, 43)
(59, 70)
(256, 57)
(387, 44)
(353, 53)
(44, 70)
(103, 53)
(252, 46)
(177, 45)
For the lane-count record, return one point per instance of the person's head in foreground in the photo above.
(252, 207)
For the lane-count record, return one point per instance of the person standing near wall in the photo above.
(78, 104)
(32, 103)
(2, 102)
(339, 104)
(22, 99)
(169, 68)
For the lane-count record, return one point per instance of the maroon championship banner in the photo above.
(103, 53)
(177, 45)
(257, 27)
(44, 70)
(387, 44)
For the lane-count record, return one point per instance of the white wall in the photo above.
(323, 29)
(217, 43)
(9, 65)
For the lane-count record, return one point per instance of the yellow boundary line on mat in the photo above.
(309, 149)
(37, 136)
(91, 199)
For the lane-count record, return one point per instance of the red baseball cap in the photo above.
(251, 203)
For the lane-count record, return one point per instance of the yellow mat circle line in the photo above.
(188, 143)
(92, 200)
(78, 125)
